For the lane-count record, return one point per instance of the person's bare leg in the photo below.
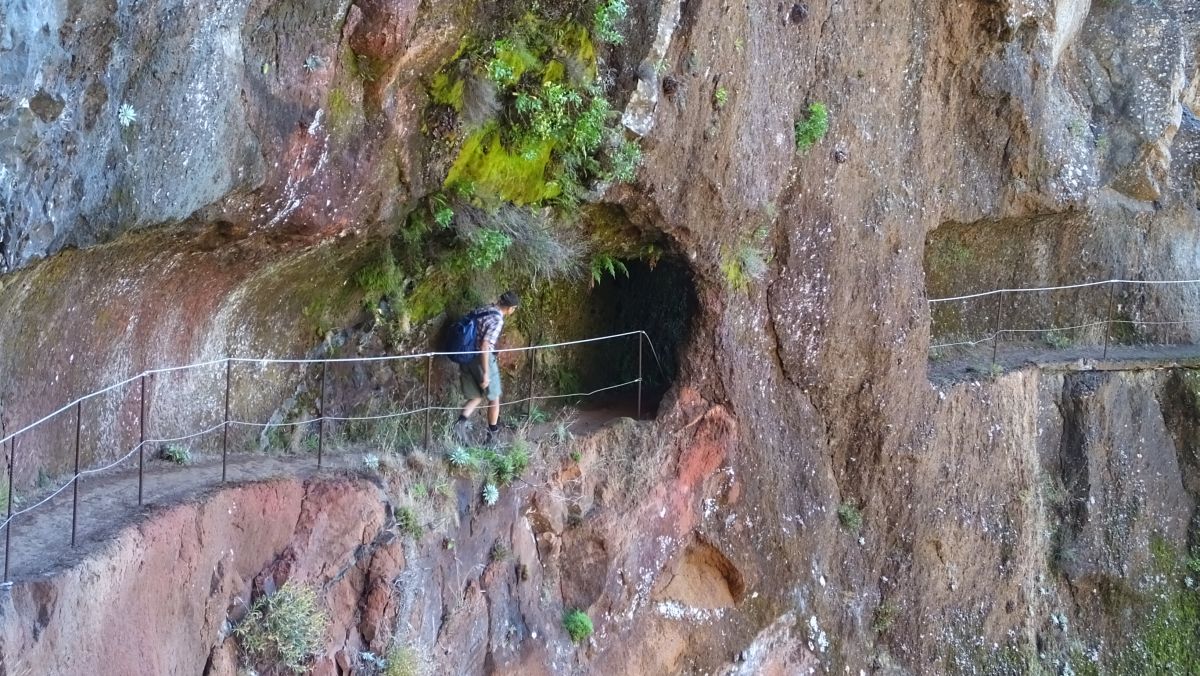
(471, 406)
(493, 412)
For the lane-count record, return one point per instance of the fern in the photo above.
(605, 263)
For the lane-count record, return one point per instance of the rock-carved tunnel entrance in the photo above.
(659, 299)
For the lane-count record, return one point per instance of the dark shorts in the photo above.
(471, 375)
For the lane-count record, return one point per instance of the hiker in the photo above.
(480, 376)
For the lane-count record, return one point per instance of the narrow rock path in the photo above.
(40, 541)
(962, 364)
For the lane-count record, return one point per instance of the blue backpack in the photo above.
(462, 337)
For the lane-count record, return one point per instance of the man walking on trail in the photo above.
(480, 378)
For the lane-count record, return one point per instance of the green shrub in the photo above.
(286, 627)
(502, 469)
(487, 248)
(177, 454)
(518, 458)
(624, 162)
(604, 22)
(404, 661)
(1057, 340)
(813, 127)
(408, 523)
(849, 516)
(500, 72)
(577, 624)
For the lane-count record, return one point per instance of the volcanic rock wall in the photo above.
(261, 134)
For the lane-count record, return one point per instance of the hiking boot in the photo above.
(492, 438)
(462, 431)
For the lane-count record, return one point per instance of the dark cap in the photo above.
(509, 299)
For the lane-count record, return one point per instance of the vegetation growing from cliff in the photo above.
(577, 624)
(813, 127)
(404, 661)
(746, 261)
(607, 18)
(285, 628)
(538, 126)
(850, 517)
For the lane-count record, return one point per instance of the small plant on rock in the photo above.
(746, 262)
(518, 457)
(500, 552)
(562, 433)
(849, 516)
(813, 127)
(462, 459)
(577, 624)
(721, 97)
(625, 160)
(491, 494)
(126, 115)
(885, 616)
(287, 627)
(404, 661)
(408, 523)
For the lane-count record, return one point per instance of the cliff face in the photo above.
(266, 148)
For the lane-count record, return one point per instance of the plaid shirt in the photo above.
(489, 325)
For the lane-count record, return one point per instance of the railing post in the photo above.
(12, 457)
(996, 328)
(639, 403)
(225, 424)
(1112, 289)
(75, 496)
(321, 415)
(141, 438)
(428, 400)
(532, 373)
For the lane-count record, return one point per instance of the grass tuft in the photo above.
(850, 517)
(286, 627)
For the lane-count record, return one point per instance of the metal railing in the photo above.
(323, 415)
(991, 306)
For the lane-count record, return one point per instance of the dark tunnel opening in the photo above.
(658, 298)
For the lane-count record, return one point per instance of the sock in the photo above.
(493, 428)
(462, 418)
